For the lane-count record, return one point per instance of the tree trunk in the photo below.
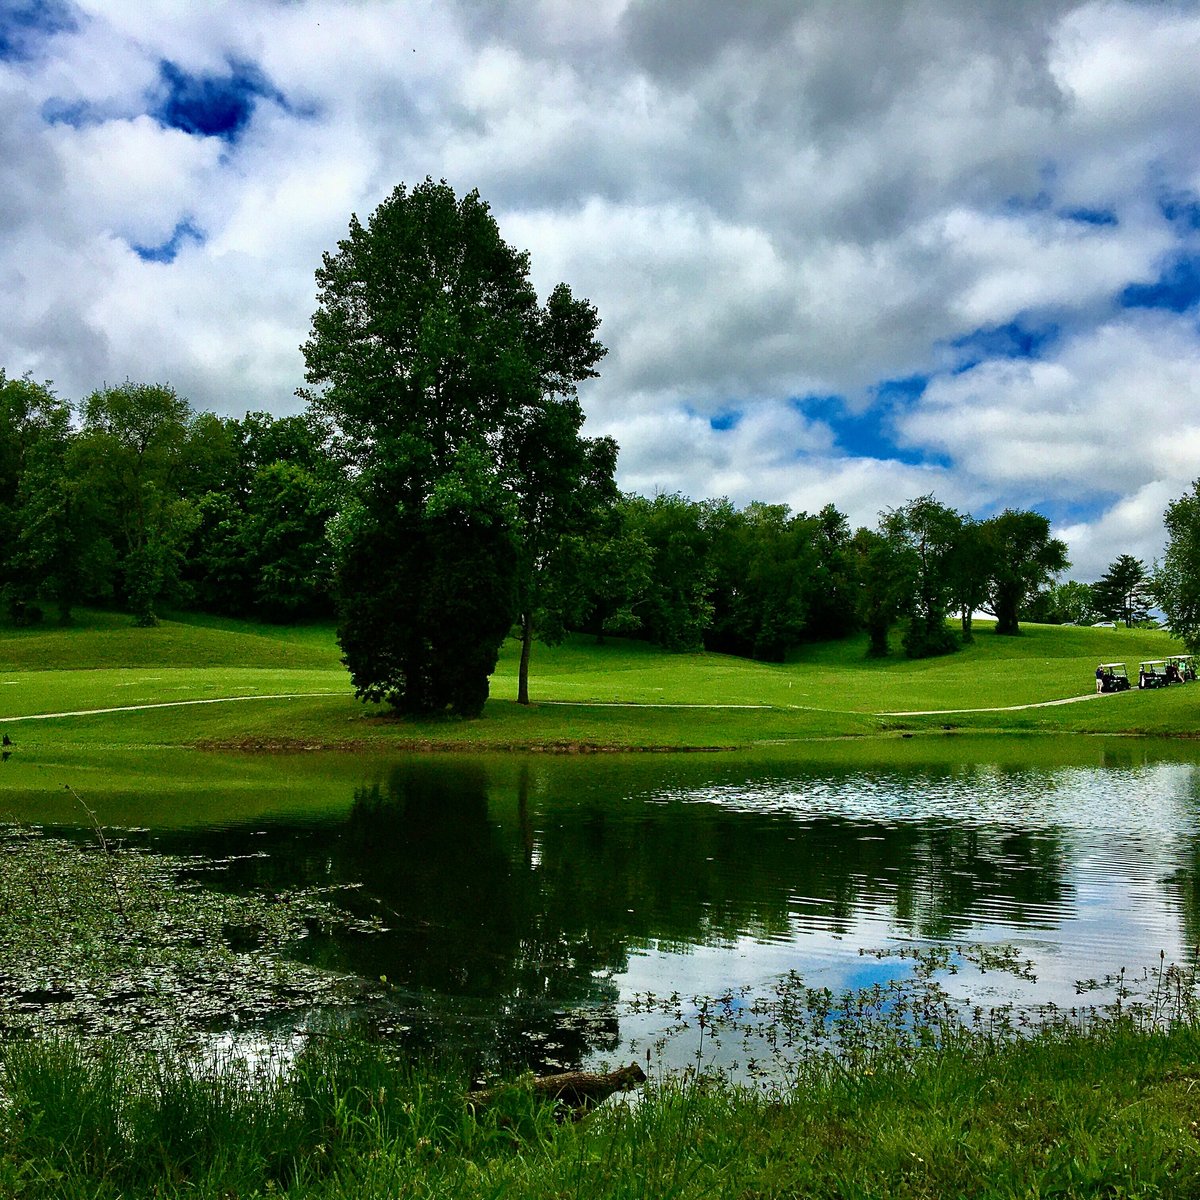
(526, 647)
(526, 826)
(967, 635)
(877, 632)
(1008, 603)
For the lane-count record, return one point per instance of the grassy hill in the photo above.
(620, 694)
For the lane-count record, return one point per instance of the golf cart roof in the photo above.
(1179, 657)
(1112, 666)
(1154, 662)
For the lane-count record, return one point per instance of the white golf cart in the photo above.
(1114, 678)
(1155, 673)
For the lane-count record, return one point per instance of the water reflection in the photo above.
(524, 899)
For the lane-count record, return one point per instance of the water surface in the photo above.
(527, 900)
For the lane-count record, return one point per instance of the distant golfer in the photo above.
(5, 740)
(1100, 677)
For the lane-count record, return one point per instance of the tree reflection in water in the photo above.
(514, 895)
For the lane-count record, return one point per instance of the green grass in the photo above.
(1110, 1112)
(100, 639)
(584, 694)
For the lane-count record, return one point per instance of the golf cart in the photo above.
(1185, 665)
(1154, 673)
(1115, 677)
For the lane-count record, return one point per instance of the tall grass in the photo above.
(1107, 1109)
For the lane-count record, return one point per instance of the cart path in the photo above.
(922, 712)
(649, 704)
(938, 712)
(93, 712)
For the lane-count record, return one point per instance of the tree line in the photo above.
(133, 499)
(437, 494)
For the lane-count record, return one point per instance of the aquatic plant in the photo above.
(101, 936)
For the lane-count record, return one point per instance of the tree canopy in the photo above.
(35, 498)
(451, 392)
(1024, 556)
(924, 532)
(1177, 582)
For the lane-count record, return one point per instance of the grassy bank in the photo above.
(285, 688)
(1113, 1112)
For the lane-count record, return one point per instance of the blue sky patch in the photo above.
(185, 231)
(1182, 209)
(1079, 509)
(211, 105)
(25, 24)
(1177, 289)
(865, 435)
(1014, 339)
(1090, 216)
(728, 418)
(903, 390)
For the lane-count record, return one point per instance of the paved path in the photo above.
(647, 704)
(937, 712)
(922, 712)
(92, 712)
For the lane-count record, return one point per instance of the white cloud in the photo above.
(133, 177)
(1030, 262)
(1133, 525)
(1108, 411)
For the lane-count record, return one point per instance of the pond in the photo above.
(521, 906)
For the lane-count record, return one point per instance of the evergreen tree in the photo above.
(1123, 592)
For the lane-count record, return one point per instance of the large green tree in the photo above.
(607, 576)
(567, 495)
(830, 586)
(260, 547)
(1177, 582)
(41, 549)
(883, 579)
(1024, 557)
(450, 391)
(674, 610)
(971, 566)
(133, 454)
(923, 534)
(1067, 603)
(777, 578)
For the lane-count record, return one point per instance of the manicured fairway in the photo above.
(287, 689)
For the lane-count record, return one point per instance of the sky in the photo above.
(847, 252)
